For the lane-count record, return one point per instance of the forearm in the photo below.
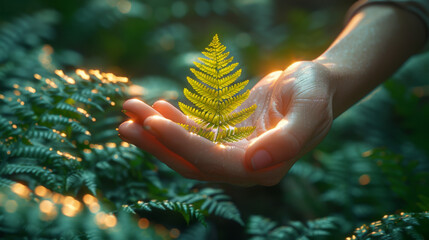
(376, 41)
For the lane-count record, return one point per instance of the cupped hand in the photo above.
(294, 114)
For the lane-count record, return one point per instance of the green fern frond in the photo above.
(216, 98)
(36, 152)
(401, 226)
(235, 134)
(199, 131)
(186, 210)
(12, 169)
(261, 228)
(212, 201)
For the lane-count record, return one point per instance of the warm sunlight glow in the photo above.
(174, 233)
(136, 90)
(104, 220)
(48, 209)
(71, 206)
(365, 179)
(282, 123)
(21, 190)
(81, 73)
(41, 191)
(143, 223)
(37, 76)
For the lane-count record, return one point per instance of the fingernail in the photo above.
(261, 159)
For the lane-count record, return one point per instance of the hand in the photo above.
(294, 114)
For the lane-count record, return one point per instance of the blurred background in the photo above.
(373, 164)
(159, 39)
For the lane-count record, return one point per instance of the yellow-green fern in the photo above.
(216, 97)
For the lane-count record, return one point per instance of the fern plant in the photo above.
(217, 97)
(261, 228)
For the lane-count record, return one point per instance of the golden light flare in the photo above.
(107, 77)
(174, 233)
(81, 110)
(21, 190)
(364, 179)
(41, 191)
(37, 76)
(96, 146)
(105, 221)
(48, 209)
(57, 198)
(125, 144)
(71, 206)
(81, 73)
(143, 223)
(91, 202)
(367, 153)
(136, 90)
(68, 79)
(51, 83)
(30, 89)
(111, 145)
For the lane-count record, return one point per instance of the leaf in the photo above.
(216, 98)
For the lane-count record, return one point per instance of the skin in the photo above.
(296, 106)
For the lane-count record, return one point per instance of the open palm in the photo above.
(294, 114)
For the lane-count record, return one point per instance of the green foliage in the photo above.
(403, 226)
(217, 98)
(154, 42)
(261, 228)
(214, 202)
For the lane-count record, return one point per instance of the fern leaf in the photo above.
(36, 152)
(228, 92)
(186, 210)
(201, 88)
(205, 78)
(228, 69)
(216, 98)
(12, 169)
(228, 80)
(238, 117)
(214, 201)
(201, 102)
(232, 103)
(232, 135)
(199, 131)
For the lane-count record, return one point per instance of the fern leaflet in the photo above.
(216, 98)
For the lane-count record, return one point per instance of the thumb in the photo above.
(306, 124)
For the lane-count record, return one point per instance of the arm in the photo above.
(376, 41)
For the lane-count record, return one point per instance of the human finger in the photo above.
(138, 110)
(135, 134)
(306, 123)
(170, 112)
(212, 159)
